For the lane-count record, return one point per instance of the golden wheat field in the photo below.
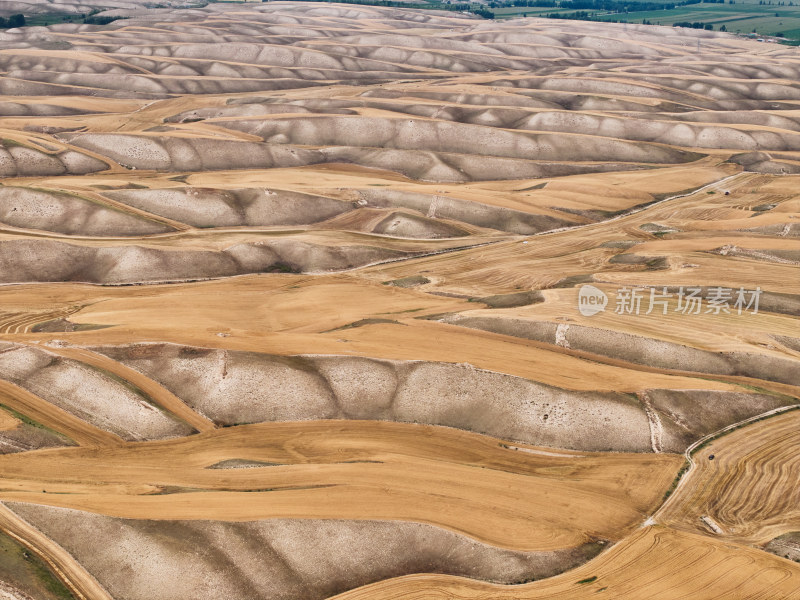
(309, 300)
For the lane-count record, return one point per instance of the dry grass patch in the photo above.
(522, 497)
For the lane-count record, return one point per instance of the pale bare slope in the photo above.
(405, 134)
(26, 260)
(54, 418)
(17, 160)
(88, 394)
(156, 393)
(550, 157)
(20, 436)
(32, 209)
(277, 559)
(641, 350)
(235, 387)
(201, 207)
(209, 207)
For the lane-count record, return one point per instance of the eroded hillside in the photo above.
(291, 308)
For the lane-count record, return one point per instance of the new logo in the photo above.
(591, 300)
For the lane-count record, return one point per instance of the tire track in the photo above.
(65, 567)
(155, 391)
(55, 418)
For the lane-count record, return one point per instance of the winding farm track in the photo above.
(79, 582)
(163, 397)
(739, 179)
(55, 418)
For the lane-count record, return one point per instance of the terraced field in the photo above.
(295, 304)
(742, 485)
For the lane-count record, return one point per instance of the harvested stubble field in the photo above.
(289, 308)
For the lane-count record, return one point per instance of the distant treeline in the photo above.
(90, 19)
(614, 6)
(582, 15)
(450, 5)
(93, 20)
(695, 25)
(608, 6)
(12, 21)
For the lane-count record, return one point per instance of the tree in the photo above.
(16, 21)
(723, 28)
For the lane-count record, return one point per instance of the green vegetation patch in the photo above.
(281, 267)
(573, 280)
(65, 326)
(681, 472)
(133, 388)
(242, 463)
(407, 282)
(24, 570)
(35, 424)
(512, 300)
(363, 322)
